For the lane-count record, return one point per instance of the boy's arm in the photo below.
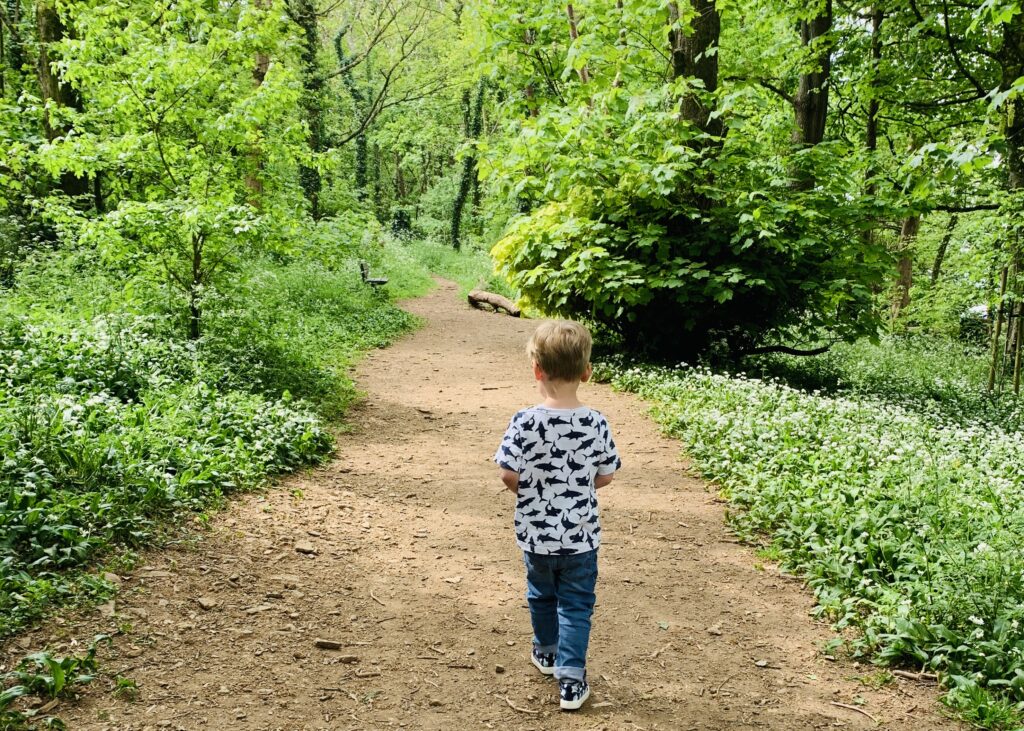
(508, 457)
(611, 463)
(510, 478)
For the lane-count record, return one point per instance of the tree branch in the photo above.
(785, 349)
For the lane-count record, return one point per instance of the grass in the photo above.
(411, 264)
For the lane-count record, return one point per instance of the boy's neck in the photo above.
(559, 394)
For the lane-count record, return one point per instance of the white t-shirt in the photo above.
(557, 453)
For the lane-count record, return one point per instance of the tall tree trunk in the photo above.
(3, 61)
(694, 55)
(993, 367)
(303, 12)
(373, 177)
(1012, 62)
(472, 119)
(940, 255)
(15, 56)
(810, 105)
(195, 312)
(54, 92)
(871, 125)
(400, 188)
(253, 176)
(905, 266)
(359, 97)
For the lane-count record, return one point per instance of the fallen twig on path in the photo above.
(514, 707)
(921, 677)
(722, 684)
(654, 655)
(374, 597)
(848, 707)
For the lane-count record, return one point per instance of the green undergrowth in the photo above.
(412, 263)
(929, 374)
(903, 512)
(115, 427)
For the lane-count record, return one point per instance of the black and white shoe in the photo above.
(545, 661)
(573, 693)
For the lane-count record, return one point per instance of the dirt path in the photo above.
(402, 550)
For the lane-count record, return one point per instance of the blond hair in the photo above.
(561, 348)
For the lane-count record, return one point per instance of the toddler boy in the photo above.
(554, 456)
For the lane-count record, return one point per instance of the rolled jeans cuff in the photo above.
(564, 672)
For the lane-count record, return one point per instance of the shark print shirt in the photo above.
(558, 453)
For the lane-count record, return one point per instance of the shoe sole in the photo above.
(546, 671)
(575, 705)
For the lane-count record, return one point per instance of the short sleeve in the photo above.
(609, 461)
(510, 452)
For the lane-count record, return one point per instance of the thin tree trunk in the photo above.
(940, 255)
(373, 177)
(997, 332)
(253, 177)
(195, 289)
(3, 62)
(400, 188)
(905, 267)
(871, 126)
(1017, 348)
(583, 72)
(1011, 57)
(871, 123)
(530, 91)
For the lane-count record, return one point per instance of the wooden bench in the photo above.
(364, 272)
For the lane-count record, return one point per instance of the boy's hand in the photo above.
(602, 480)
(511, 480)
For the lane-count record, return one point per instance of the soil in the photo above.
(400, 554)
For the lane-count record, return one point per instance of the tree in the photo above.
(174, 114)
(644, 227)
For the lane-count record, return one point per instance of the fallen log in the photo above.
(482, 300)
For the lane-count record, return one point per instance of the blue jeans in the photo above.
(560, 591)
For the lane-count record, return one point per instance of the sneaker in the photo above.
(545, 661)
(573, 693)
